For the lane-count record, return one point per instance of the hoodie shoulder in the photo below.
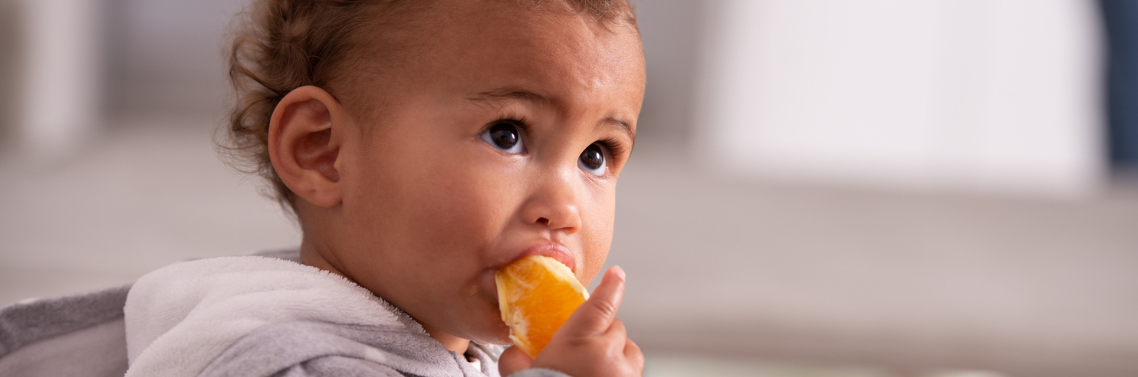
(180, 318)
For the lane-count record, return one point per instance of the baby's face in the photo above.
(500, 135)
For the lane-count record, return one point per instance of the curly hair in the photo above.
(276, 46)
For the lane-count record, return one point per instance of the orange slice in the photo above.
(536, 295)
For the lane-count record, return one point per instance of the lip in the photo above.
(549, 249)
(552, 250)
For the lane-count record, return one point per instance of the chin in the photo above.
(498, 334)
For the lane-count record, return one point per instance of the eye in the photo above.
(592, 160)
(505, 135)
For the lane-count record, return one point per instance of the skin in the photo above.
(398, 191)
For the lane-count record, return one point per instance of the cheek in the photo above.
(454, 209)
(459, 207)
(597, 237)
(417, 197)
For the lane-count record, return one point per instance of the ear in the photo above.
(305, 134)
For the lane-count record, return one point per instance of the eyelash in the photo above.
(613, 146)
(516, 119)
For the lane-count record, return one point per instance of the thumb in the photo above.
(513, 359)
(597, 313)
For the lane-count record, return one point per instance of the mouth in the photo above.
(552, 250)
(548, 249)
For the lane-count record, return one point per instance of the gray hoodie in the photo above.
(259, 316)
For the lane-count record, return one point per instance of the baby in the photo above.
(422, 145)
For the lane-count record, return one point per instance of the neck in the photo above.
(311, 255)
(451, 342)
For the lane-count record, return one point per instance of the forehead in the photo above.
(543, 47)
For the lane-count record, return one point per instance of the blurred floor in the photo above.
(905, 283)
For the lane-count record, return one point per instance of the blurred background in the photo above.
(820, 187)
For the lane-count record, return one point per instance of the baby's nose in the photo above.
(554, 205)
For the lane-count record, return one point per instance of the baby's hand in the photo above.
(591, 343)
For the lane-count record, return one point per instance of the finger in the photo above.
(513, 359)
(598, 312)
(633, 355)
(617, 330)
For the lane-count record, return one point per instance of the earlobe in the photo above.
(304, 145)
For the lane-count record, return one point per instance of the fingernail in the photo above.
(619, 272)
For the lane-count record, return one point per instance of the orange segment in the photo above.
(536, 295)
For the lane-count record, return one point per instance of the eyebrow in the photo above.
(623, 126)
(509, 94)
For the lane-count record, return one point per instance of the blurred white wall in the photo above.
(672, 32)
(167, 56)
(989, 95)
(62, 71)
(71, 66)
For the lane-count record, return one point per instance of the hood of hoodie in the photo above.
(182, 317)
